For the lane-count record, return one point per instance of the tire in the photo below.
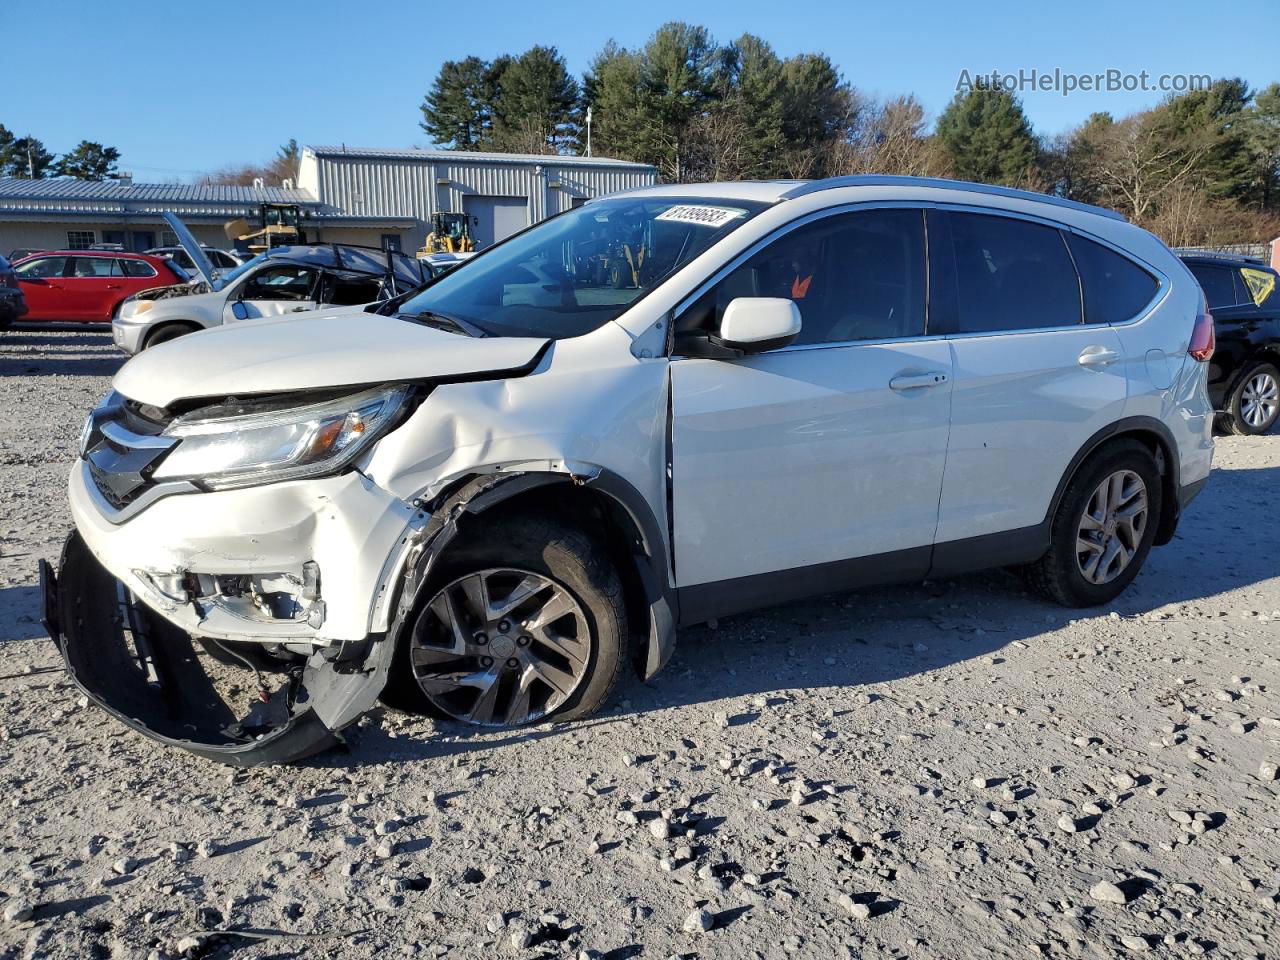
(171, 331)
(505, 554)
(1060, 574)
(1255, 402)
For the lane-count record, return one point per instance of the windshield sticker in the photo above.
(1259, 282)
(702, 216)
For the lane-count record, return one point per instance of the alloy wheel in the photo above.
(500, 647)
(1259, 400)
(1111, 528)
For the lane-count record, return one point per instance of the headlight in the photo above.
(222, 451)
(135, 308)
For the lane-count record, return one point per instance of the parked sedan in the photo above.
(88, 285)
(12, 303)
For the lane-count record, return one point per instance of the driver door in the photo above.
(816, 466)
(274, 290)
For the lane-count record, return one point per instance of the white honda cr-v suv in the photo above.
(665, 406)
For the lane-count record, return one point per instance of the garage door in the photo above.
(495, 218)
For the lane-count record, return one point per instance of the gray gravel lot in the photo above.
(947, 770)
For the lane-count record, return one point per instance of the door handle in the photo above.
(113, 286)
(1096, 356)
(917, 381)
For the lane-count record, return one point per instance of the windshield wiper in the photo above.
(443, 321)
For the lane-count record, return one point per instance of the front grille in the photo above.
(122, 449)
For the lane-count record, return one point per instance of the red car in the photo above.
(88, 285)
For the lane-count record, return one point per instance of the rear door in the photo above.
(1033, 381)
(816, 465)
(273, 290)
(43, 287)
(94, 285)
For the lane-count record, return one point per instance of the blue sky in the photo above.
(185, 88)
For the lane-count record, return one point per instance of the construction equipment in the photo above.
(450, 233)
(278, 226)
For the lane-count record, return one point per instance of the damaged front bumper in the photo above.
(245, 626)
(222, 700)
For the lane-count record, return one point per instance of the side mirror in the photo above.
(752, 324)
(239, 310)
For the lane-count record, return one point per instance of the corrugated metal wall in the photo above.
(391, 187)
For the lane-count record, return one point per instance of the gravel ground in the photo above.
(944, 770)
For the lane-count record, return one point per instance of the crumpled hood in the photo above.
(312, 352)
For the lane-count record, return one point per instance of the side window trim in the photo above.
(1162, 281)
(791, 226)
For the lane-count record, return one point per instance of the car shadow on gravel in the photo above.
(34, 353)
(854, 641)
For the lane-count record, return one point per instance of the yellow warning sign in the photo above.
(1260, 283)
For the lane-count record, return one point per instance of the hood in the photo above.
(189, 243)
(315, 351)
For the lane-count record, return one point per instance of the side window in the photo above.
(43, 268)
(137, 268)
(854, 276)
(1217, 284)
(1115, 288)
(88, 267)
(284, 282)
(1012, 275)
(351, 291)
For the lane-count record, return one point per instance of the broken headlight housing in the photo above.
(242, 444)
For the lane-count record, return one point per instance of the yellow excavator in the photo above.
(450, 233)
(278, 226)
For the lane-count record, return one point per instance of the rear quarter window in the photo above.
(1115, 288)
(137, 268)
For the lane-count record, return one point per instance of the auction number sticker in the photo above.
(702, 216)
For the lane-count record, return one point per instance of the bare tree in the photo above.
(715, 147)
(1137, 163)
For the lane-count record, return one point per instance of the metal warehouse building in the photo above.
(503, 192)
(376, 197)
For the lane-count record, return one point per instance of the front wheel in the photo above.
(1103, 528)
(1255, 402)
(523, 623)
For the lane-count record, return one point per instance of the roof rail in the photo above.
(885, 180)
(1219, 255)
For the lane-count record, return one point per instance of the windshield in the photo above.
(231, 276)
(575, 272)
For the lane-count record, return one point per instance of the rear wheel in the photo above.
(1103, 529)
(171, 331)
(1255, 402)
(521, 624)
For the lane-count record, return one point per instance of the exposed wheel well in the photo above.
(602, 517)
(188, 325)
(1166, 462)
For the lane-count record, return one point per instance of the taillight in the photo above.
(1203, 339)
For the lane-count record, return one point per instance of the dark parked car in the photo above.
(12, 303)
(89, 285)
(1244, 375)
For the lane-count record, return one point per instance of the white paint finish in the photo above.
(749, 320)
(804, 456)
(346, 524)
(1022, 405)
(589, 405)
(313, 351)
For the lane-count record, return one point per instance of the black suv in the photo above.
(12, 303)
(1244, 375)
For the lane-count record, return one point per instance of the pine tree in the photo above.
(458, 112)
(534, 108)
(1262, 125)
(988, 138)
(29, 159)
(88, 161)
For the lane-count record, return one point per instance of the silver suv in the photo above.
(492, 498)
